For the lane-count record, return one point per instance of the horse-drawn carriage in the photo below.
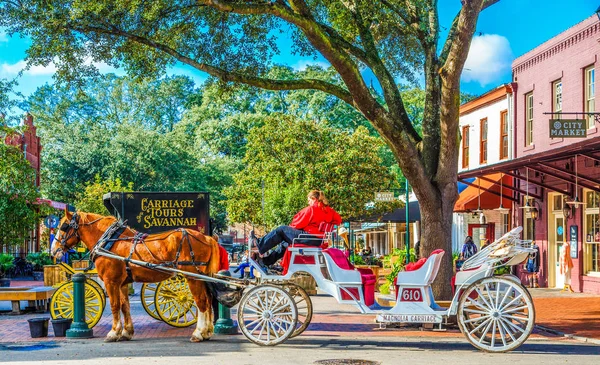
(496, 314)
(170, 300)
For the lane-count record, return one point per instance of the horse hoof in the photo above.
(111, 339)
(126, 336)
(196, 339)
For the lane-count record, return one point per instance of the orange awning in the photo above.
(468, 198)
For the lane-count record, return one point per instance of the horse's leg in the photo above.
(204, 326)
(126, 309)
(114, 296)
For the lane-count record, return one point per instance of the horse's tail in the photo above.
(214, 261)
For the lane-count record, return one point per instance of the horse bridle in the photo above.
(70, 230)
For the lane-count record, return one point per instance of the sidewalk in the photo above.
(569, 313)
(574, 314)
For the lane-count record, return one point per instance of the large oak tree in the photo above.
(235, 41)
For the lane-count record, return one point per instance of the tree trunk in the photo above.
(436, 229)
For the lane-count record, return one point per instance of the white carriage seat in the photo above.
(423, 275)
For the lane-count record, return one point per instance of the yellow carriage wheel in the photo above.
(148, 302)
(98, 287)
(175, 303)
(61, 303)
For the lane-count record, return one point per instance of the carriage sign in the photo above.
(153, 212)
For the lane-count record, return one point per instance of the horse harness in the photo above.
(113, 233)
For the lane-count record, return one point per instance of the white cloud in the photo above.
(302, 64)
(490, 57)
(3, 37)
(7, 69)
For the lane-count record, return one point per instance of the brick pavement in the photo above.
(575, 314)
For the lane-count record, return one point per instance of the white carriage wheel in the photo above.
(303, 305)
(267, 315)
(496, 314)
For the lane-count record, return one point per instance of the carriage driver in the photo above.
(307, 221)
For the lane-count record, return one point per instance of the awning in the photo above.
(399, 215)
(485, 193)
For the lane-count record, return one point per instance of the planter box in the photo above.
(306, 282)
(83, 264)
(54, 275)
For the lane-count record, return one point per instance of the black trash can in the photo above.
(38, 327)
(60, 326)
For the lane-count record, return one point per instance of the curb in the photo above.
(567, 335)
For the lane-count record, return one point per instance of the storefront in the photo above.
(557, 196)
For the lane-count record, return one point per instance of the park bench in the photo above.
(37, 297)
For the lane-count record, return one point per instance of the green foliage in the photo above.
(39, 260)
(502, 270)
(357, 259)
(385, 287)
(19, 212)
(396, 268)
(90, 199)
(6, 264)
(291, 157)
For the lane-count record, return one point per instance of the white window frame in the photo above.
(590, 246)
(590, 94)
(529, 119)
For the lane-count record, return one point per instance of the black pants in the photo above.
(277, 237)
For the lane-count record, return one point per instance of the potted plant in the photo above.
(39, 260)
(6, 264)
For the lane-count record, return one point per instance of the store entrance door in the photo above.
(559, 239)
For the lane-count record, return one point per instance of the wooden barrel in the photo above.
(306, 282)
(54, 275)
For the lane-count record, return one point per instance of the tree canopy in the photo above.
(287, 157)
(235, 41)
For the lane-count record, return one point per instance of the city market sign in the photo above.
(568, 128)
(384, 196)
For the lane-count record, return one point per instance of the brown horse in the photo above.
(170, 248)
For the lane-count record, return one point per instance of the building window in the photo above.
(504, 135)
(558, 201)
(557, 98)
(483, 140)
(465, 146)
(591, 249)
(529, 119)
(590, 95)
(505, 222)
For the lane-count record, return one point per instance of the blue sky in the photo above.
(506, 30)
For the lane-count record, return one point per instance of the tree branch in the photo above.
(224, 75)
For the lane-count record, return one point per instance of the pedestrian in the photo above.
(468, 249)
(311, 220)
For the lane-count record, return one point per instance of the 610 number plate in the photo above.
(411, 295)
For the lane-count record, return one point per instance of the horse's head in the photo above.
(67, 235)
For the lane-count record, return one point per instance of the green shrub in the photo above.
(6, 264)
(39, 260)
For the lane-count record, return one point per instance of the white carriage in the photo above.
(495, 313)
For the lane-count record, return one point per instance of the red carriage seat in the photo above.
(325, 227)
(367, 277)
(428, 268)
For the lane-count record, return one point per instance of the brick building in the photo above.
(556, 170)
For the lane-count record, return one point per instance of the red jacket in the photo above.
(223, 259)
(309, 218)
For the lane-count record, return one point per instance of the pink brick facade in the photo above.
(564, 58)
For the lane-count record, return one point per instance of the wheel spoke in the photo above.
(502, 333)
(511, 302)
(517, 309)
(517, 328)
(476, 311)
(485, 331)
(477, 304)
(480, 325)
(480, 295)
(507, 330)
(493, 342)
(477, 319)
